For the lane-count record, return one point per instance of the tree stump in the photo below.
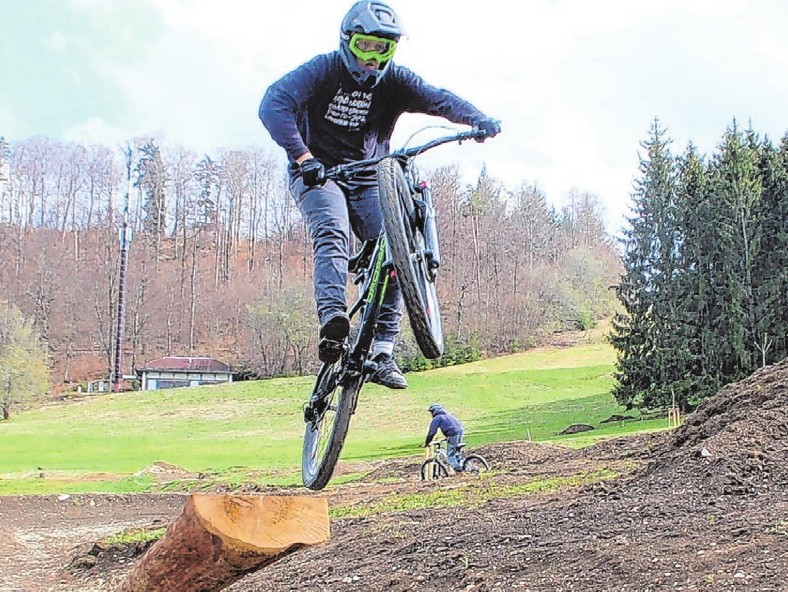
(218, 539)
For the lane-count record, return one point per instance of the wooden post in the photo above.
(218, 539)
(674, 413)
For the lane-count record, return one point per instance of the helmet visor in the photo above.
(370, 47)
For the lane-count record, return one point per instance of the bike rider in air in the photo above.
(338, 108)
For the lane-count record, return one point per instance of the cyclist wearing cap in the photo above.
(338, 108)
(452, 428)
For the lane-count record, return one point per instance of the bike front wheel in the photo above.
(327, 420)
(475, 464)
(431, 469)
(407, 246)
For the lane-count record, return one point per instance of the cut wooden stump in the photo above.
(218, 539)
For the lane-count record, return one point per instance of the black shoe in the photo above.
(388, 373)
(332, 337)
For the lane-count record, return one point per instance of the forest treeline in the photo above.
(705, 283)
(220, 264)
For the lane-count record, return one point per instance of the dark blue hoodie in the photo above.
(319, 108)
(447, 423)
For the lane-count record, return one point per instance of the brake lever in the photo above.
(476, 135)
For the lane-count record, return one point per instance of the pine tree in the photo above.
(770, 267)
(152, 179)
(735, 188)
(694, 293)
(649, 262)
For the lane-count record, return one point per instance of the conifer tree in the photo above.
(705, 287)
(770, 267)
(735, 189)
(152, 179)
(694, 294)
(649, 261)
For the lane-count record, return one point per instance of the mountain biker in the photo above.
(338, 108)
(452, 428)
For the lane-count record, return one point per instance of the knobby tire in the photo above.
(406, 244)
(432, 469)
(325, 437)
(475, 464)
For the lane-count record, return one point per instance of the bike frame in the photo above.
(439, 452)
(375, 277)
(374, 281)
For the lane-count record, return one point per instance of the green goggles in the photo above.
(369, 47)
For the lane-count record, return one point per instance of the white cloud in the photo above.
(96, 131)
(57, 41)
(10, 127)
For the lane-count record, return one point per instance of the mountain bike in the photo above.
(437, 465)
(407, 248)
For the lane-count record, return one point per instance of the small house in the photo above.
(175, 372)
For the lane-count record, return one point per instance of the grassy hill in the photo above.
(99, 443)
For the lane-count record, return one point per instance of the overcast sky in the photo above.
(576, 83)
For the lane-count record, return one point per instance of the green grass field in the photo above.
(259, 424)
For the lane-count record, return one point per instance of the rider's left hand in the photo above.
(488, 126)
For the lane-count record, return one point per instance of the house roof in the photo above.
(192, 364)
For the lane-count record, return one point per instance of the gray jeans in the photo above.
(331, 212)
(455, 455)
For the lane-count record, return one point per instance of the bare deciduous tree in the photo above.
(23, 360)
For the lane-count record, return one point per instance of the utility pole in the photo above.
(126, 233)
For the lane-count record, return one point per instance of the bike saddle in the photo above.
(461, 445)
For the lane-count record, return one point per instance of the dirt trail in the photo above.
(704, 507)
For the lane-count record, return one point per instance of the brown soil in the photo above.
(704, 507)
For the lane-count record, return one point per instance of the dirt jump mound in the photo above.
(735, 442)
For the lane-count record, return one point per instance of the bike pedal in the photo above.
(370, 368)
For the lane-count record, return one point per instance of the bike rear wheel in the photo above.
(475, 464)
(431, 469)
(327, 421)
(407, 246)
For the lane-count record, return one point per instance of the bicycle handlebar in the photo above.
(345, 171)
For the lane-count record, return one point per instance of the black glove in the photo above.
(313, 172)
(488, 127)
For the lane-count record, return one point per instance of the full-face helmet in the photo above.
(369, 33)
(435, 408)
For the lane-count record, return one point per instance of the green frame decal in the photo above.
(376, 274)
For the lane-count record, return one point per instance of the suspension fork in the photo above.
(432, 252)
